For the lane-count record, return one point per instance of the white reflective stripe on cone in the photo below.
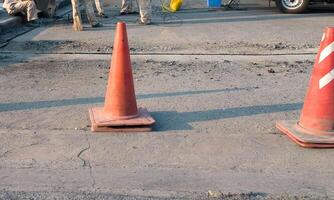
(323, 37)
(326, 79)
(326, 52)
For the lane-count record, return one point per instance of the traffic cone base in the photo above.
(306, 138)
(104, 122)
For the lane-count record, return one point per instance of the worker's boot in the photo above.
(97, 24)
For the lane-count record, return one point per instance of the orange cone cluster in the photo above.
(120, 112)
(316, 125)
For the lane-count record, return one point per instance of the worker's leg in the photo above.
(52, 8)
(145, 11)
(90, 13)
(28, 8)
(127, 6)
(99, 7)
(77, 23)
(32, 13)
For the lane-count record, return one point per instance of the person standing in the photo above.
(144, 10)
(77, 23)
(99, 8)
(126, 7)
(27, 7)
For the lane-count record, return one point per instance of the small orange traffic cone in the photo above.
(316, 125)
(120, 112)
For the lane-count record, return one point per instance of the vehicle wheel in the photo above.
(292, 6)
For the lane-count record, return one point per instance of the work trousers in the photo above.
(99, 6)
(28, 8)
(89, 10)
(144, 8)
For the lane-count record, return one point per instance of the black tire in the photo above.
(292, 6)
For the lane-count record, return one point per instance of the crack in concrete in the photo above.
(30, 145)
(86, 162)
(83, 160)
(3, 155)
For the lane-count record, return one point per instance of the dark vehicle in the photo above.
(298, 6)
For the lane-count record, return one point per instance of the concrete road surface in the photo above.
(215, 81)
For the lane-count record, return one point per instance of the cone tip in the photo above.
(121, 24)
(328, 33)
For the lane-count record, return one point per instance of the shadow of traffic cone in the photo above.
(315, 129)
(120, 112)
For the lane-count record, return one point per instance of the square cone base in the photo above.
(304, 137)
(102, 122)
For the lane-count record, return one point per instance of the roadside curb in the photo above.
(10, 22)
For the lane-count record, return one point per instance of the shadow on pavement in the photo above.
(173, 120)
(5, 107)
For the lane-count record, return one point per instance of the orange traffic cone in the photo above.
(316, 125)
(120, 112)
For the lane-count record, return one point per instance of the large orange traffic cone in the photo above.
(120, 112)
(316, 125)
